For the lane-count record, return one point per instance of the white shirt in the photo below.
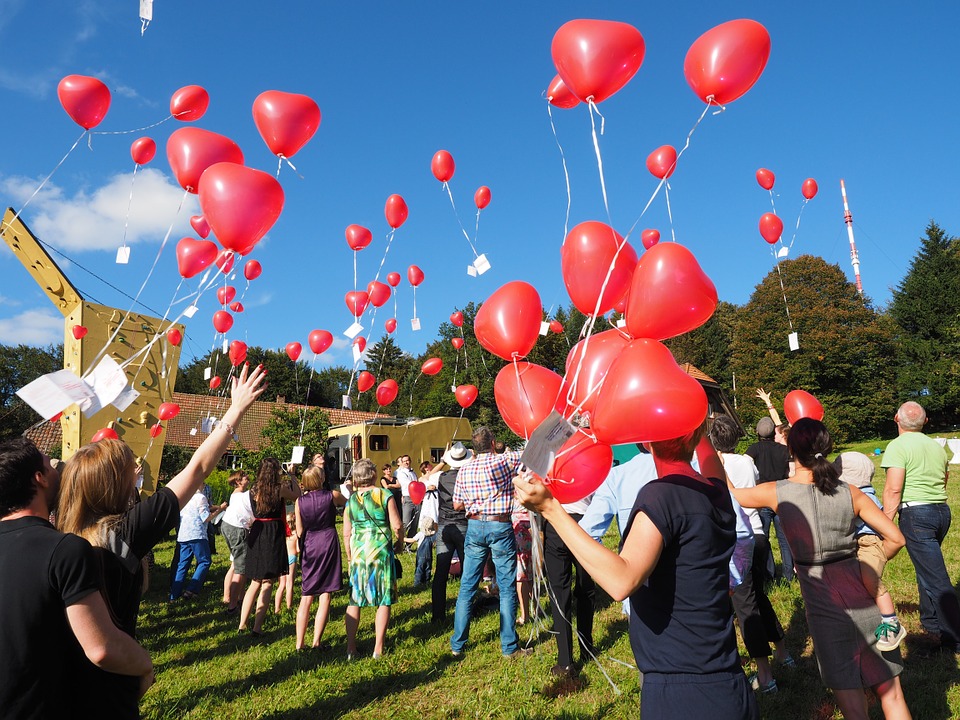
(405, 476)
(743, 474)
(239, 513)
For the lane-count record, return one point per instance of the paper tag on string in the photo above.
(783, 252)
(296, 456)
(207, 373)
(346, 402)
(794, 341)
(190, 311)
(622, 322)
(193, 431)
(547, 439)
(206, 424)
(123, 255)
(354, 330)
(357, 354)
(471, 271)
(453, 388)
(226, 346)
(415, 324)
(125, 399)
(481, 264)
(54, 392)
(146, 10)
(544, 328)
(108, 381)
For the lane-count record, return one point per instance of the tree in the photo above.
(926, 309)
(19, 366)
(286, 429)
(844, 355)
(708, 347)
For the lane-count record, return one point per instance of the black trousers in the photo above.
(560, 562)
(449, 538)
(759, 624)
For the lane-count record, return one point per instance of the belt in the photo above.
(503, 517)
(914, 503)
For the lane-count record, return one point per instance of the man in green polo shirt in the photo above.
(916, 486)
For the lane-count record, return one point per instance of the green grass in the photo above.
(205, 670)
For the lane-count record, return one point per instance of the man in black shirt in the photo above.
(773, 463)
(52, 611)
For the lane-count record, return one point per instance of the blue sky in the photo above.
(862, 91)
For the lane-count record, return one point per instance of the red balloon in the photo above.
(647, 397)
(662, 162)
(442, 166)
(356, 301)
(580, 468)
(390, 325)
(395, 211)
(225, 260)
(725, 62)
(365, 381)
(226, 294)
(79, 331)
(431, 366)
(771, 227)
(555, 326)
(237, 352)
(286, 121)
(85, 99)
(252, 270)
(801, 404)
(189, 103)
(526, 394)
(214, 382)
(378, 292)
(320, 340)
(191, 150)
(417, 490)
(601, 350)
(466, 395)
(670, 294)
(387, 392)
(414, 275)
(194, 255)
(222, 321)
(595, 58)
(621, 306)
(766, 178)
(293, 350)
(393, 278)
(585, 259)
(105, 434)
(508, 323)
(241, 204)
(809, 188)
(361, 343)
(457, 318)
(457, 342)
(481, 198)
(174, 336)
(559, 95)
(237, 307)
(358, 237)
(200, 226)
(155, 430)
(168, 411)
(143, 150)
(649, 238)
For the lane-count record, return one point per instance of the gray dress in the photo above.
(841, 614)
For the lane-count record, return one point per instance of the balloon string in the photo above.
(279, 165)
(797, 228)
(136, 375)
(782, 288)
(135, 130)
(476, 231)
(566, 174)
(466, 357)
(303, 419)
(523, 392)
(382, 260)
(666, 194)
(285, 159)
(414, 301)
(354, 270)
(446, 186)
(596, 147)
(126, 219)
(773, 203)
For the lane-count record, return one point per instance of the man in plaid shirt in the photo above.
(484, 490)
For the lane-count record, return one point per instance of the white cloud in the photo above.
(8, 302)
(93, 219)
(32, 327)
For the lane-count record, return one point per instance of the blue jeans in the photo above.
(190, 549)
(497, 537)
(766, 517)
(421, 575)
(925, 527)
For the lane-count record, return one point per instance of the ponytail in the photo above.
(809, 443)
(825, 475)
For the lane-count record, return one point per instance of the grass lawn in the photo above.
(206, 670)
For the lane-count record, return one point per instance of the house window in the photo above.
(436, 454)
(379, 443)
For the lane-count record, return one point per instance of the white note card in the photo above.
(123, 255)
(547, 439)
(794, 341)
(481, 264)
(346, 402)
(54, 392)
(296, 456)
(544, 328)
(415, 324)
(354, 330)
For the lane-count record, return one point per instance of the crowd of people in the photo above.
(694, 562)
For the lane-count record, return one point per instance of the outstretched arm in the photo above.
(774, 415)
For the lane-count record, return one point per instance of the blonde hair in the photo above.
(365, 473)
(93, 493)
(312, 478)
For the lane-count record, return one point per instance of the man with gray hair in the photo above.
(916, 486)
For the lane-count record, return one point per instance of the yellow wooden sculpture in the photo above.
(152, 375)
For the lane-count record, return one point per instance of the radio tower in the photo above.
(848, 219)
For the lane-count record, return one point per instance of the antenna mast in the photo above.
(848, 219)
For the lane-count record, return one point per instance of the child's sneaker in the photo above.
(890, 635)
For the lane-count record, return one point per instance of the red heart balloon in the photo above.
(390, 325)
(481, 198)
(286, 121)
(585, 259)
(442, 166)
(466, 395)
(105, 434)
(387, 392)
(200, 226)
(85, 99)
(395, 210)
(766, 178)
(358, 237)
(669, 294)
(174, 336)
(378, 292)
(809, 188)
(414, 275)
(293, 350)
(365, 381)
(222, 321)
(580, 468)
(559, 95)
(155, 430)
(225, 260)
(662, 162)
(526, 394)
(771, 227)
(556, 326)
(143, 150)
(801, 404)
(457, 318)
(356, 301)
(194, 255)
(393, 279)
(214, 382)
(320, 340)
(431, 366)
(189, 103)
(417, 490)
(725, 62)
(191, 150)
(457, 342)
(168, 411)
(252, 270)
(226, 294)
(237, 352)
(649, 238)
(237, 307)
(360, 343)
(595, 58)
(508, 323)
(241, 204)
(647, 397)
(79, 331)
(598, 351)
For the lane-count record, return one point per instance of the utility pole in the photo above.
(848, 219)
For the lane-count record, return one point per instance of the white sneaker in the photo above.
(889, 636)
